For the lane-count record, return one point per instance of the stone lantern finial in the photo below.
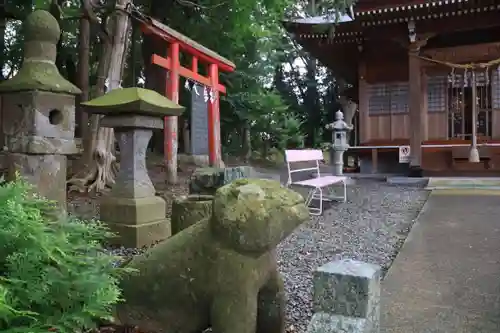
(339, 115)
(39, 71)
(41, 26)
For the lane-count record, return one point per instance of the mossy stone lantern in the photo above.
(132, 209)
(38, 112)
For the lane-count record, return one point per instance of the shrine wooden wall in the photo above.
(383, 91)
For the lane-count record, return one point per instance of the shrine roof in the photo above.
(367, 7)
(338, 44)
(370, 13)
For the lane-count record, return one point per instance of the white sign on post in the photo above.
(404, 154)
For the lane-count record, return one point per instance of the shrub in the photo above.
(54, 275)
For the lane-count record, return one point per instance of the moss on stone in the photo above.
(203, 277)
(242, 212)
(39, 71)
(134, 100)
(39, 76)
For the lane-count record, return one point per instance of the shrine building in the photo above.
(415, 68)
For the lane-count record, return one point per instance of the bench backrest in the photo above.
(303, 155)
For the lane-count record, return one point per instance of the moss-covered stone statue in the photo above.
(221, 272)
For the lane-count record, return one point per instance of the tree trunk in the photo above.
(102, 165)
(247, 143)
(83, 78)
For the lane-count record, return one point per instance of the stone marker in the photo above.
(208, 180)
(220, 272)
(132, 209)
(199, 122)
(346, 298)
(38, 107)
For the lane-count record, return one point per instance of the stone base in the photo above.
(140, 235)
(47, 173)
(415, 171)
(132, 211)
(138, 221)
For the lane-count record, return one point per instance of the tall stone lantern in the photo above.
(339, 142)
(38, 112)
(132, 210)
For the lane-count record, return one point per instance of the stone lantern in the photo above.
(132, 210)
(38, 106)
(340, 143)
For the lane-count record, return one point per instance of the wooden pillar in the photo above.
(170, 126)
(214, 144)
(364, 118)
(417, 118)
(424, 107)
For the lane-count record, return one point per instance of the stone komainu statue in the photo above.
(220, 272)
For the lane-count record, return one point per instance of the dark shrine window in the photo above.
(380, 101)
(436, 93)
(399, 97)
(495, 90)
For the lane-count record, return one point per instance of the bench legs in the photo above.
(316, 193)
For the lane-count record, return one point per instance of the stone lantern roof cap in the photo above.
(39, 71)
(133, 101)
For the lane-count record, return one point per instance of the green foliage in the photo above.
(252, 36)
(54, 275)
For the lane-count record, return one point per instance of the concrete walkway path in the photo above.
(446, 278)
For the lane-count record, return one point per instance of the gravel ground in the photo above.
(370, 227)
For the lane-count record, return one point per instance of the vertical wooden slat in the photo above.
(364, 120)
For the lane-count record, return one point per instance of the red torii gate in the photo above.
(177, 43)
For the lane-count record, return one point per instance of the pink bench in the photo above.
(316, 185)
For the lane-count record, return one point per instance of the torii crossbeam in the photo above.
(177, 43)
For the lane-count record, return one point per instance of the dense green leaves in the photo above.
(53, 275)
(270, 67)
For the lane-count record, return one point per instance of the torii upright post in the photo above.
(177, 43)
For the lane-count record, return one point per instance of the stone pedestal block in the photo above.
(46, 172)
(207, 180)
(132, 211)
(346, 298)
(139, 235)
